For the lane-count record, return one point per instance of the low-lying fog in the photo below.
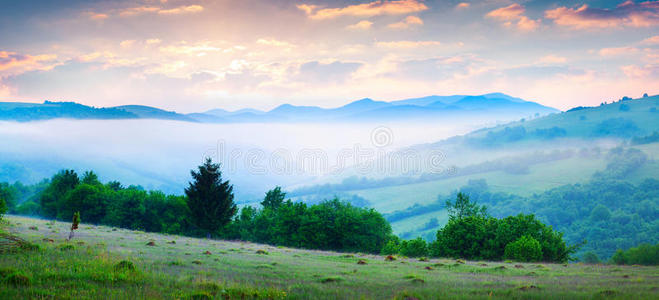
(159, 154)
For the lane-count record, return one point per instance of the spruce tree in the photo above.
(210, 199)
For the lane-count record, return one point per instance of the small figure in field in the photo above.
(74, 224)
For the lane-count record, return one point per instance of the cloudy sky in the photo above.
(193, 55)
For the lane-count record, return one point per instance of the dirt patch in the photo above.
(390, 258)
(529, 288)
(519, 267)
(151, 243)
(361, 262)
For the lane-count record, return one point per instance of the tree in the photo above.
(8, 196)
(414, 248)
(52, 197)
(89, 177)
(524, 249)
(273, 198)
(210, 199)
(3, 207)
(462, 208)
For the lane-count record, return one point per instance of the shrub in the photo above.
(124, 265)
(390, 248)
(414, 248)
(644, 254)
(590, 258)
(525, 249)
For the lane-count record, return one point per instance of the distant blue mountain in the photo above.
(493, 106)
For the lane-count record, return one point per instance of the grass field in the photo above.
(91, 266)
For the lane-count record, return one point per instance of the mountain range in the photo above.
(495, 105)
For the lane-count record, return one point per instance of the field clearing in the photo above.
(540, 178)
(87, 267)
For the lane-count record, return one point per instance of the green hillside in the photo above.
(106, 263)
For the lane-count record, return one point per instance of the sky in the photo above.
(195, 55)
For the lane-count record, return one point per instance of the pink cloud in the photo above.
(654, 40)
(628, 13)
(25, 62)
(617, 51)
(513, 16)
(380, 7)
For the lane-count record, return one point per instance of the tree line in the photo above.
(208, 209)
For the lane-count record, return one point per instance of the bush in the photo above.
(390, 248)
(3, 207)
(590, 258)
(414, 248)
(644, 254)
(524, 249)
(124, 265)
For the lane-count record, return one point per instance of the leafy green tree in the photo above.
(273, 198)
(51, 200)
(462, 208)
(391, 247)
(526, 249)
(8, 196)
(600, 213)
(210, 199)
(127, 209)
(644, 254)
(414, 248)
(90, 200)
(3, 207)
(590, 258)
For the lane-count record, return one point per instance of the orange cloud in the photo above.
(24, 62)
(96, 16)
(375, 8)
(182, 10)
(407, 44)
(361, 25)
(404, 24)
(628, 13)
(513, 15)
(462, 5)
(134, 11)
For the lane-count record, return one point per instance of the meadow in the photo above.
(105, 262)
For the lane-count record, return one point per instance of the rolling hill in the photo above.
(105, 262)
(522, 158)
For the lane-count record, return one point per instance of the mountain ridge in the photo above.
(492, 105)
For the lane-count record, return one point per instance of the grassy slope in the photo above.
(167, 271)
(639, 112)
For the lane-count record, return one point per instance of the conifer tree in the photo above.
(210, 199)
